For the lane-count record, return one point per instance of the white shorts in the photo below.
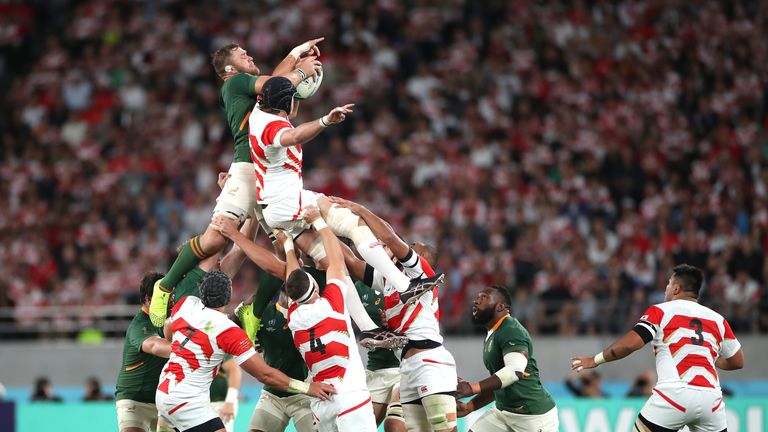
(238, 196)
(132, 414)
(674, 407)
(228, 425)
(495, 420)
(345, 412)
(426, 373)
(286, 213)
(381, 383)
(184, 414)
(272, 413)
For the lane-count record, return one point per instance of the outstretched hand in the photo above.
(339, 114)
(310, 214)
(226, 226)
(307, 48)
(341, 202)
(580, 363)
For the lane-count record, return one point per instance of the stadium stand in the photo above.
(574, 150)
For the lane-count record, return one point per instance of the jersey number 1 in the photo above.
(697, 326)
(315, 345)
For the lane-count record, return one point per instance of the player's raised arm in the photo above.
(380, 228)
(307, 131)
(282, 239)
(262, 257)
(336, 268)
(299, 64)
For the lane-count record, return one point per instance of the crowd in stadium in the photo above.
(573, 150)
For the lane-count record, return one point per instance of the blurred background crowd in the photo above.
(574, 151)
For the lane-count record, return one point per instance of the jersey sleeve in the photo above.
(649, 324)
(512, 340)
(730, 345)
(243, 84)
(334, 292)
(137, 334)
(234, 341)
(272, 132)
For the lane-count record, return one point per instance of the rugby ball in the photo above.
(309, 86)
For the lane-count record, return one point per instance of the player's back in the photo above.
(688, 339)
(322, 331)
(420, 320)
(202, 337)
(278, 168)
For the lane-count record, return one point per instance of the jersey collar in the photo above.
(497, 325)
(145, 310)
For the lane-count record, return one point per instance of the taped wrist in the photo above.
(232, 395)
(297, 387)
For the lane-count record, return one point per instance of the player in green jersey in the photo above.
(242, 83)
(144, 354)
(276, 408)
(522, 402)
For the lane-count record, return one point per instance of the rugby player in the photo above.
(521, 402)
(689, 342)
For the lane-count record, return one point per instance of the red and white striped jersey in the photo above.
(278, 168)
(420, 320)
(323, 333)
(687, 340)
(202, 337)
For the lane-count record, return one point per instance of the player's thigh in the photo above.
(441, 411)
(491, 421)
(380, 384)
(712, 418)
(659, 415)
(297, 407)
(415, 417)
(238, 196)
(269, 415)
(132, 415)
(360, 419)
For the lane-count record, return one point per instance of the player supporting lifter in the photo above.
(202, 336)
(689, 341)
(522, 403)
(427, 369)
(237, 199)
(277, 155)
(323, 333)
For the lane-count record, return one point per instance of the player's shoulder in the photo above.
(688, 308)
(513, 329)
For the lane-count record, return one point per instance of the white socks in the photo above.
(374, 254)
(356, 309)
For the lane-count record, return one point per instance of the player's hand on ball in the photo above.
(309, 65)
(310, 214)
(222, 180)
(339, 114)
(463, 389)
(580, 363)
(321, 391)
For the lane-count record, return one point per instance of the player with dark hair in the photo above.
(689, 342)
(144, 354)
(522, 402)
(237, 199)
(322, 331)
(202, 337)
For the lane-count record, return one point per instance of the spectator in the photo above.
(585, 385)
(643, 384)
(43, 391)
(93, 391)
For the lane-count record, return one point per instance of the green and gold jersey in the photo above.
(140, 372)
(528, 395)
(279, 350)
(374, 302)
(220, 384)
(238, 97)
(188, 284)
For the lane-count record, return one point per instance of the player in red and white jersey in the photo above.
(202, 336)
(277, 156)
(427, 370)
(323, 333)
(689, 342)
